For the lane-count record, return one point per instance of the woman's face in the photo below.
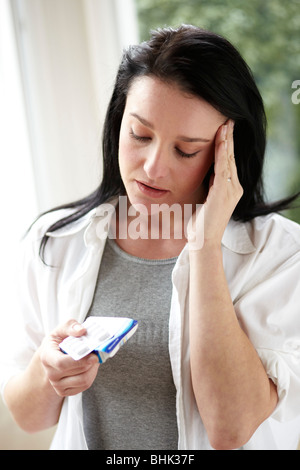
(166, 144)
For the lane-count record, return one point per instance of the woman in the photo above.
(216, 352)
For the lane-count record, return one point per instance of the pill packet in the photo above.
(104, 337)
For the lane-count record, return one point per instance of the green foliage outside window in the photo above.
(267, 34)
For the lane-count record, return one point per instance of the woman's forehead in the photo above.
(157, 102)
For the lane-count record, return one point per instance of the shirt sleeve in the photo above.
(22, 329)
(42, 296)
(269, 313)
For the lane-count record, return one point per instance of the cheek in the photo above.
(127, 154)
(210, 154)
(191, 183)
(196, 179)
(198, 171)
(207, 161)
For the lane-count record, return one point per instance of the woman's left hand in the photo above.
(210, 220)
(232, 390)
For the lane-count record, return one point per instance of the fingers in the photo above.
(230, 153)
(229, 138)
(231, 166)
(224, 153)
(233, 178)
(72, 381)
(225, 166)
(70, 328)
(66, 375)
(223, 195)
(51, 352)
(226, 175)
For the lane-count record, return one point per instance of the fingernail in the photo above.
(77, 327)
(231, 123)
(92, 358)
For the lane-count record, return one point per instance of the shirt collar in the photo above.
(88, 223)
(236, 238)
(73, 227)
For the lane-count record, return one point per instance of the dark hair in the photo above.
(205, 65)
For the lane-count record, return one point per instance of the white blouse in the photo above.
(262, 266)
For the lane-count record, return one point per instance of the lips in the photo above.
(152, 191)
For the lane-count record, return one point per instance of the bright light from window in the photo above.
(17, 194)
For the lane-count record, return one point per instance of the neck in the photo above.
(162, 223)
(156, 236)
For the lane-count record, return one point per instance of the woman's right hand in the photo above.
(67, 376)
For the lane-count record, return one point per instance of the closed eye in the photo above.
(186, 155)
(182, 154)
(138, 137)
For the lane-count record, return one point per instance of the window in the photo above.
(17, 184)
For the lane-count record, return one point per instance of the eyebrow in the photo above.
(181, 138)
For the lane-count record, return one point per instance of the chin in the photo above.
(139, 207)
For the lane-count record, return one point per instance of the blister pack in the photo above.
(104, 336)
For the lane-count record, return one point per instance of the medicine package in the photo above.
(104, 336)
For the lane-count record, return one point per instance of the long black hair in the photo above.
(205, 65)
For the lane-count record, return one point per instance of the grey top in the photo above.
(131, 404)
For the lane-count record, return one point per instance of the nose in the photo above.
(157, 164)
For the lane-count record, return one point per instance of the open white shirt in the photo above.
(262, 266)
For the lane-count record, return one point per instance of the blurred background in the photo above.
(58, 61)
